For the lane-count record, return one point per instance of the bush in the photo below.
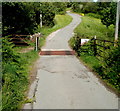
(21, 20)
(60, 7)
(94, 15)
(111, 66)
(48, 14)
(25, 17)
(90, 7)
(76, 7)
(15, 76)
(107, 66)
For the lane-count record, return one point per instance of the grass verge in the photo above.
(89, 27)
(16, 80)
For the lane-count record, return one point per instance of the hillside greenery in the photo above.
(25, 16)
(90, 27)
(15, 69)
(106, 11)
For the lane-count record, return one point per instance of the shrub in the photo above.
(111, 66)
(15, 76)
(107, 66)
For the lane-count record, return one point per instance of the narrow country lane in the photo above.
(59, 39)
(63, 82)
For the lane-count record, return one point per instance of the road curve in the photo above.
(59, 39)
(64, 82)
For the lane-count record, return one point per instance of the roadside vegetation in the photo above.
(90, 27)
(16, 66)
(25, 20)
(96, 22)
(15, 78)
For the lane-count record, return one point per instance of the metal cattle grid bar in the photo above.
(57, 53)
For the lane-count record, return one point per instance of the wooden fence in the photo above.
(98, 46)
(23, 40)
(101, 46)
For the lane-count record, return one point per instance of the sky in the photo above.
(95, 0)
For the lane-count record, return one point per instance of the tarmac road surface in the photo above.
(64, 82)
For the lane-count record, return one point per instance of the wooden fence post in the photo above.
(36, 43)
(79, 47)
(95, 46)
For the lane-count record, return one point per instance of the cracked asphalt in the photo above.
(63, 82)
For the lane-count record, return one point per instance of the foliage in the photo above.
(21, 20)
(102, 6)
(76, 7)
(90, 7)
(48, 14)
(8, 54)
(106, 11)
(75, 44)
(15, 76)
(90, 27)
(111, 66)
(85, 7)
(93, 15)
(60, 7)
(107, 66)
(109, 15)
(25, 16)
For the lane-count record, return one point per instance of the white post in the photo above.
(36, 45)
(40, 17)
(117, 21)
(41, 20)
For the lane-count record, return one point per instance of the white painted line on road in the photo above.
(53, 34)
(56, 50)
(57, 55)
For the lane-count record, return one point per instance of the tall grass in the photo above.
(15, 79)
(89, 27)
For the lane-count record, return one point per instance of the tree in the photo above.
(76, 7)
(109, 15)
(60, 7)
(48, 14)
(90, 7)
(18, 18)
(24, 17)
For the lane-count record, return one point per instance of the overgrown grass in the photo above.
(60, 22)
(89, 27)
(15, 79)
(92, 62)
